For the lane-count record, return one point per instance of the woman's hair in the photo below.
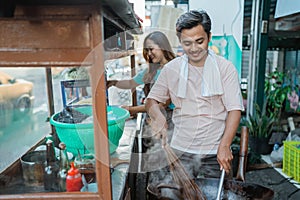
(162, 41)
(191, 19)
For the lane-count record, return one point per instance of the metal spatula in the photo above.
(221, 184)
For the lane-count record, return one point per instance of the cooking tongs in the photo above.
(221, 184)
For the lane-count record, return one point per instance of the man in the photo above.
(206, 93)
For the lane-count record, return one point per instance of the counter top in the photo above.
(123, 153)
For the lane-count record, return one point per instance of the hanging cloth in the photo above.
(211, 81)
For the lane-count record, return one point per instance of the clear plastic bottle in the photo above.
(291, 123)
(292, 128)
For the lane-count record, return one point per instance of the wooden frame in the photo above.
(68, 36)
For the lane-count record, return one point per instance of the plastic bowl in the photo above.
(80, 136)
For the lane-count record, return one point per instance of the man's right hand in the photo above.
(159, 128)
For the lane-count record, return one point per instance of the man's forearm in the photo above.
(224, 154)
(232, 124)
(158, 120)
(153, 108)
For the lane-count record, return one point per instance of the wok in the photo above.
(233, 190)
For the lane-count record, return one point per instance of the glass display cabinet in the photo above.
(40, 40)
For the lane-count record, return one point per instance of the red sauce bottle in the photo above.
(73, 180)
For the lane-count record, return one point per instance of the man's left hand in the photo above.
(225, 157)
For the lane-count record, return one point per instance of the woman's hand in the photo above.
(129, 109)
(134, 110)
(111, 83)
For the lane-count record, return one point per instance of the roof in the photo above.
(121, 10)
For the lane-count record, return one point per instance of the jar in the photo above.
(86, 166)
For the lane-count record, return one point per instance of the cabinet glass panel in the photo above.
(24, 123)
(25, 129)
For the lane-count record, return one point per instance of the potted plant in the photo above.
(261, 123)
(276, 92)
(260, 129)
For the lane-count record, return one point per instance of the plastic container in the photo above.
(92, 187)
(80, 136)
(291, 159)
(73, 180)
(86, 166)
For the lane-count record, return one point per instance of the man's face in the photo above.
(194, 42)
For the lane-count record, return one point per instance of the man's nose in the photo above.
(194, 47)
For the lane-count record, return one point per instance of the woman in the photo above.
(157, 52)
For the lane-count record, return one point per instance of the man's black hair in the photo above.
(191, 19)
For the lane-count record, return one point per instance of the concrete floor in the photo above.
(271, 178)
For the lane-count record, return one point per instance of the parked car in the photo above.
(16, 97)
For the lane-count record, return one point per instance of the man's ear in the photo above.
(210, 36)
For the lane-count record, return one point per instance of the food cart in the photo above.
(63, 33)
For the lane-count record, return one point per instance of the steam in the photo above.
(155, 162)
